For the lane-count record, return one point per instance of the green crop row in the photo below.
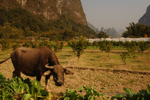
(19, 89)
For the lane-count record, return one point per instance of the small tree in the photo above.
(143, 46)
(61, 45)
(131, 47)
(78, 46)
(124, 56)
(106, 46)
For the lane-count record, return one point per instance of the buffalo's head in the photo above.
(58, 73)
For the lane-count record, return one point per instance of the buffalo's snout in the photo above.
(59, 83)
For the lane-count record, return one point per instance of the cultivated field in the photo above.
(108, 82)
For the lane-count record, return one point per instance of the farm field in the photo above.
(107, 82)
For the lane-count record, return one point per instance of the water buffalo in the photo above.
(35, 62)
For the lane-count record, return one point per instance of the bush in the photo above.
(106, 46)
(78, 46)
(143, 46)
(5, 44)
(131, 47)
(16, 45)
(26, 45)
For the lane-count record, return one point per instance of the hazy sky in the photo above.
(114, 13)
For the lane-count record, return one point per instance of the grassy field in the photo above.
(109, 83)
(97, 58)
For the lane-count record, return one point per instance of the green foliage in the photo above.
(123, 57)
(72, 95)
(106, 46)
(26, 44)
(143, 46)
(137, 30)
(78, 46)
(15, 45)
(26, 88)
(102, 35)
(131, 47)
(51, 44)
(43, 42)
(95, 43)
(34, 44)
(8, 31)
(61, 45)
(18, 23)
(56, 47)
(130, 95)
(90, 94)
(5, 44)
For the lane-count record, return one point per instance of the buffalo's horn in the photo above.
(67, 64)
(50, 67)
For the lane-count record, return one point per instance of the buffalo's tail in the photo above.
(4, 60)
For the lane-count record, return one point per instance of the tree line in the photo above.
(23, 23)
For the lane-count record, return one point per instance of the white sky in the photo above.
(114, 13)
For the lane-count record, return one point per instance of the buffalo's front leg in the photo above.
(16, 73)
(47, 77)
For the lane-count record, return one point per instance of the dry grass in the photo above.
(108, 83)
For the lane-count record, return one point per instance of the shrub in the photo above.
(61, 45)
(5, 44)
(15, 45)
(131, 47)
(26, 44)
(123, 57)
(143, 46)
(106, 46)
(78, 46)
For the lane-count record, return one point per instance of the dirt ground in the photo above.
(106, 82)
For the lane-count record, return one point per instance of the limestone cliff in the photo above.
(51, 9)
(145, 19)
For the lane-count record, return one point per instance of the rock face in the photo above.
(145, 19)
(51, 9)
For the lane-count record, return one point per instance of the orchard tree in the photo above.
(78, 46)
(103, 35)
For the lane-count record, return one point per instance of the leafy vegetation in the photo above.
(130, 95)
(102, 35)
(137, 30)
(90, 94)
(18, 88)
(106, 46)
(78, 46)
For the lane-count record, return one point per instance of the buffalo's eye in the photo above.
(55, 76)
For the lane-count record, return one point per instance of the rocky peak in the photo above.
(53, 9)
(145, 19)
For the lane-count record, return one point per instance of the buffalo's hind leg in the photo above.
(16, 73)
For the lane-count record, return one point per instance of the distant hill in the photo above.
(120, 31)
(145, 19)
(111, 32)
(93, 27)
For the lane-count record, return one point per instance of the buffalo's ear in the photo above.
(66, 71)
